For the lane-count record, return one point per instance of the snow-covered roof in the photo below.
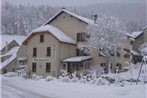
(145, 28)
(77, 59)
(12, 52)
(84, 19)
(144, 51)
(56, 32)
(9, 38)
(134, 52)
(136, 34)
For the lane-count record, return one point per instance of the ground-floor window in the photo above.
(5, 71)
(13, 69)
(64, 66)
(33, 67)
(48, 67)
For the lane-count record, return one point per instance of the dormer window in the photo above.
(41, 38)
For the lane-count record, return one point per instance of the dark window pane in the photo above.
(48, 67)
(33, 67)
(34, 52)
(41, 38)
(48, 51)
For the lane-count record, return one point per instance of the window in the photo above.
(64, 66)
(48, 51)
(13, 69)
(126, 50)
(5, 71)
(126, 55)
(41, 38)
(81, 37)
(34, 52)
(33, 67)
(48, 67)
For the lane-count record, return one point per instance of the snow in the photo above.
(18, 87)
(9, 38)
(86, 20)
(10, 74)
(77, 59)
(56, 32)
(144, 51)
(134, 52)
(13, 54)
(136, 34)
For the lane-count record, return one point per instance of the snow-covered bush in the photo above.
(10, 74)
(83, 79)
(96, 71)
(36, 77)
(101, 81)
(74, 77)
(50, 78)
(64, 77)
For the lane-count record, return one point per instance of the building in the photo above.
(9, 47)
(140, 38)
(54, 46)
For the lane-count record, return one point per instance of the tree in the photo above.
(106, 36)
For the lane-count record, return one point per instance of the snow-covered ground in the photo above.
(18, 87)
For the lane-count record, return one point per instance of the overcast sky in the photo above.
(69, 2)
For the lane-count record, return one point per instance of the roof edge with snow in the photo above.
(81, 18)
(58, 34)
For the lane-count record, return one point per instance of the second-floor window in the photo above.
(81, 37)
(34, 52)
(48, 51)
(41, 38)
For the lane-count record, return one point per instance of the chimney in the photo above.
(94, 18)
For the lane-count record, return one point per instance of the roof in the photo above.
(12, 52)
(144, 51)
(78, 59)
(145, 28)
(55, 32)
(86, 20)
(9, 38)
(137, 34)
(134, 52)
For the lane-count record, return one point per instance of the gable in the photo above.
(78, 17)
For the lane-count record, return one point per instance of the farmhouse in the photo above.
(55, 46)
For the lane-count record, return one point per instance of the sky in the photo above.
(69, 2)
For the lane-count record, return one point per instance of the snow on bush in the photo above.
(101, 81)
(10, 74)
(74, 77)
(36, 77)
(65, 76)
(50, 78)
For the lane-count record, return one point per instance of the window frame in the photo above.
(34, 52)
(41, 38)
(34, 65)
(48, 67)
(48, 51)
